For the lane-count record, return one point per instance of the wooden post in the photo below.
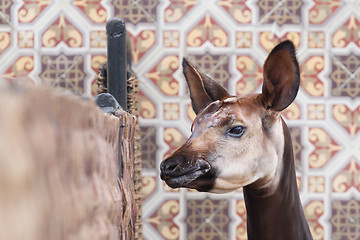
(116, 55)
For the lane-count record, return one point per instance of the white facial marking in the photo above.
(230, 100)
(244, 161)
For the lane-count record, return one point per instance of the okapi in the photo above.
(244, 142)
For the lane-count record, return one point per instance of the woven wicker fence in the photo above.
(59, 168)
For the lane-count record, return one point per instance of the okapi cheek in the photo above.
(232, 179)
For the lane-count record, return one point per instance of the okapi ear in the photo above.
(281, 77)
(203, 90)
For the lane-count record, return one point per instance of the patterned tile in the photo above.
(5, 38)
(177, 9)
(171, 38)
(31, 9)
(314, 210)
(136, 11)
(63, 71)
(348, 119)
(322, 10)
(241, 212)
(5, 11)
(316, 111)
(61, 30)
(163, 219)
(310, 71)
(347, 178)
(293, 112)
(207, 219)
(269, 39)
(347, 33)
(97, 61)
(19, 70)
(141, 44)
(98, 39)
(147, 109)
(297, 145)
(251, 75)
(92, 9)
(325, 147)
(281, 12)
(316, 39)
(174, 138)
(148, 187)
(148, 146)
(25, 39)
(63, 43)
(316, 184)
(171, 111)
(237, 9)
(344, 75)
(207, 30)
(214, 65)
(345, 219)
(244, 39)
(161, 75)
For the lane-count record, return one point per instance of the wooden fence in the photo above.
(59, 168)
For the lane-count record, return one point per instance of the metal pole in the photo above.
(116, 64)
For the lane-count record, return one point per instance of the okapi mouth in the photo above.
(180, 175)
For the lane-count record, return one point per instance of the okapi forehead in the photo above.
(225, 112)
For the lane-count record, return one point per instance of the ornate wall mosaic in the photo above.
(63, 43)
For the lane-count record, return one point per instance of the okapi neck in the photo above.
(277, 214)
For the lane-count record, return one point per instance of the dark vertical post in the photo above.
(116, 55)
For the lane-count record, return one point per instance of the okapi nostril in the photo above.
(171, 167)
(168, 168)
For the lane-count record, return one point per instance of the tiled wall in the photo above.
(62, 43)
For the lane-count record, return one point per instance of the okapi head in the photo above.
(235, 141)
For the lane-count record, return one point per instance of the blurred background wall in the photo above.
(63, 43)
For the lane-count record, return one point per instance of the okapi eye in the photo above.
(236, 131)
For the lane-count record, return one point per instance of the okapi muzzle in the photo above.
(189, 166)
(180, 170)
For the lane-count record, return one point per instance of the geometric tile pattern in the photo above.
(345, 76)
(207, 219)
(148, 147)
(62, 44)
(63, 71)
(345, 220)
(280, 12)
